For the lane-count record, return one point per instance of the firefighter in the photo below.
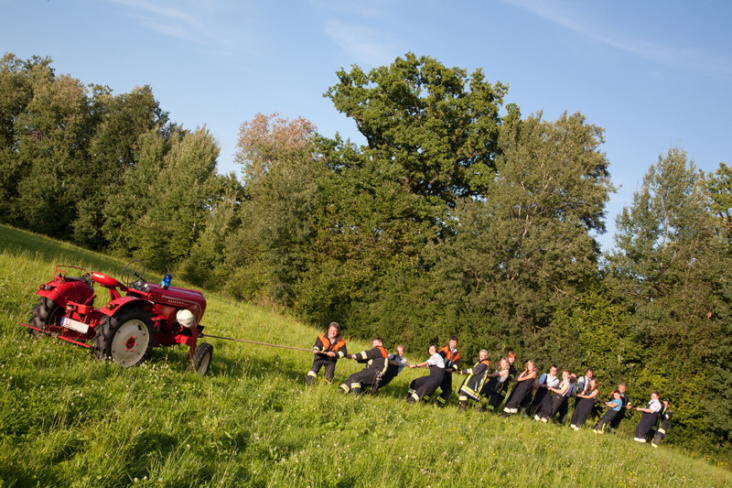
(523, 389)
(626, 406)
(564, 407)
(650, 415)
(426, 385)
(584, 405)
(491, 389)
(546, 381)
(328, 349)
(376, 359)
(615, 406)
(500, 391)
(470, 390)
(397, 362)
(451, 357)
(550, 405)
(663, 428)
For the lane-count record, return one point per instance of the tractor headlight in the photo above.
(185, 318)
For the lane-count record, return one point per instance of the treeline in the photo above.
(458, 215)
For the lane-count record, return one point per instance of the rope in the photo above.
(255, 342)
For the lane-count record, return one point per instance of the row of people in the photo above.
(542, 396)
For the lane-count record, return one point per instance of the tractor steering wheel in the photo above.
(133, 271)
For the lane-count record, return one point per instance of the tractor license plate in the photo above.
(74, 325)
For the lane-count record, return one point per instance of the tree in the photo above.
(282, 189)
(524, 249)
(129, 200)
(429, 128)
(206, 264)
(16, 91)
(431, 138)
(670, 271)
(719, 186)
(53, 133)
(119, 122)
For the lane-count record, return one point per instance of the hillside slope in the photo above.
(67, 419)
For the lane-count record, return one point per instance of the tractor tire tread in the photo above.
(42, 314)
(102, 341)
(202, 350)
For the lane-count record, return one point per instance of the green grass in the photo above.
(67, 419)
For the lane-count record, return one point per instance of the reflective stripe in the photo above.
(345, 387)
(312, 373)
(327, 344)
(355, 385)
(662, 431)
(449, 357)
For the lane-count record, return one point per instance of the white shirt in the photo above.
(654, 406)
(549, 381)
(436, 360)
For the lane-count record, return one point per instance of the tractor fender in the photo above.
(114, 307)
(76, 291)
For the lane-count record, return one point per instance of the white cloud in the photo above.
(197, 22)
(368, 45)
(561, 13)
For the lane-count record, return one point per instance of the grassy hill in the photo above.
(67, 419)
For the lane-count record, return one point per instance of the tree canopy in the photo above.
(458, 215)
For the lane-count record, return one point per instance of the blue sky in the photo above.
(654, 74)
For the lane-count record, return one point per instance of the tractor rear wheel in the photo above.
(201, 358)
(127, 338)
(45, 313)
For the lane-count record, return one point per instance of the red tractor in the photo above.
(128, 327)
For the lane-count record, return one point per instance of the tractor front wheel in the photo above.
(45, 313)
(127, 338)
(201, 358)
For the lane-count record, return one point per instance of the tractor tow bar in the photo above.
(59, 337)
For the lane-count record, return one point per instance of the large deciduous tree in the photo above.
(120, 121)
(670, 270)
(432, 129)
(161, 207)
(719, 186)
(282, 192)
(525, 247)
(16, 91)
(46, 128)
(431, 139)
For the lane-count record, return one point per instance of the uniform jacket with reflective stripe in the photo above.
(337, 345)
(451, 359)
(376, 358)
